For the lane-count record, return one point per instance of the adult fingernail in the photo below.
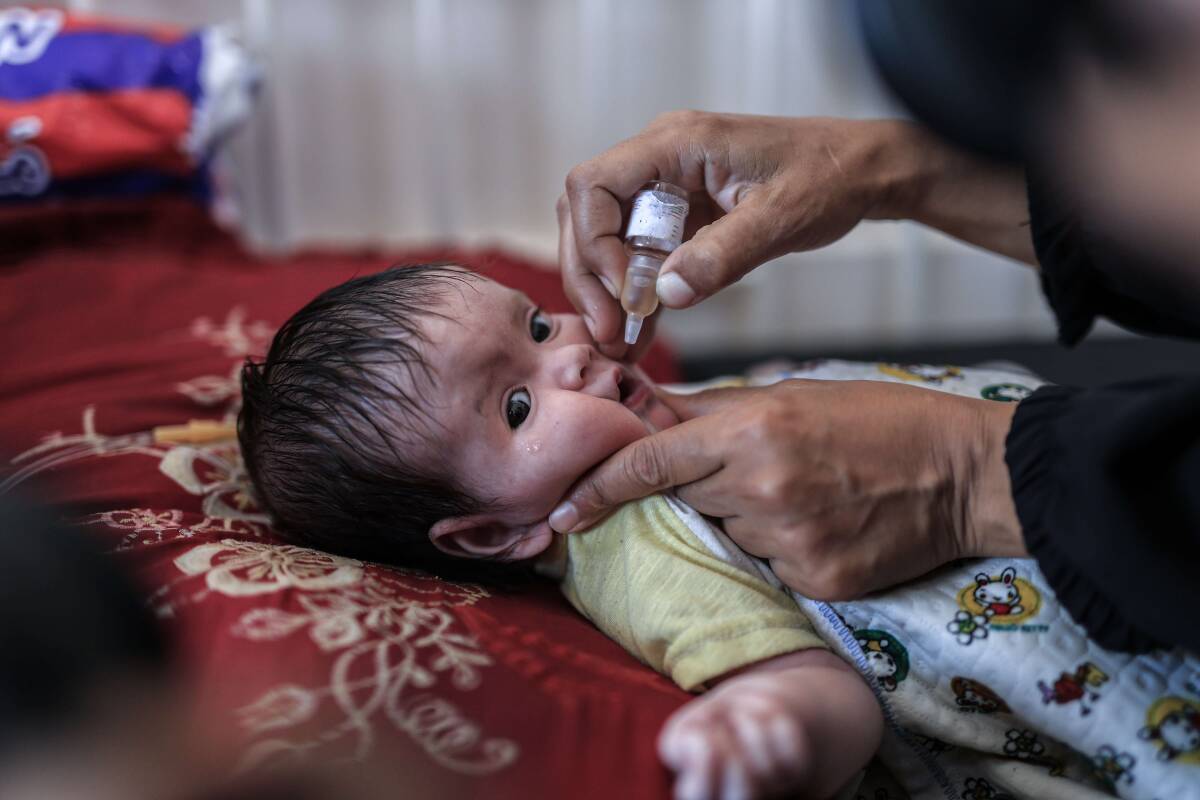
(609, 285)
(564, 518)
(674, 291)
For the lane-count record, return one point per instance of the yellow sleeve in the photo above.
(646, 581)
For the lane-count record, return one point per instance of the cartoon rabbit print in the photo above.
(998, 598)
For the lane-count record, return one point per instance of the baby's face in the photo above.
(529, 403)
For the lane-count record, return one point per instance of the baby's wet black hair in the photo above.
(333, 430)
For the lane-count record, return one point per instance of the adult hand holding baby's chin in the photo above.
(845, 486)
(759, 187)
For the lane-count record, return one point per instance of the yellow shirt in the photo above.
(645, 580)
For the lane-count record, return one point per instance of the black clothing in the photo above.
(1107, 481)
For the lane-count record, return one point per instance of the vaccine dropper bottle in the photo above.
(655, 229)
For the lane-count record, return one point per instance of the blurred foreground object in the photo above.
(68, 624)
(82, 668)
(1098, 99)
(973, 72)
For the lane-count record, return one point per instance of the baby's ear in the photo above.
(484, 536)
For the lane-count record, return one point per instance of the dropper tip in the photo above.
(633, 326)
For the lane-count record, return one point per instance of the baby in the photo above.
(427, 415)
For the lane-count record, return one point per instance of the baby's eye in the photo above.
(518, 408)
(539, 327)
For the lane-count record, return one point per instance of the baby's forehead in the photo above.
(470, 317)
(475, 296)
(472, 323)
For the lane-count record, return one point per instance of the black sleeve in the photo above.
(1107, 488)
(1086, 274)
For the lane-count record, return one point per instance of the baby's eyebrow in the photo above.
(485, 386)
(518, 303)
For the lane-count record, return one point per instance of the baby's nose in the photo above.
(571, 365)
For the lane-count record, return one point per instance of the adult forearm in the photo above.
(930, 181)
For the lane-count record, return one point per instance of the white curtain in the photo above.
(400, 121)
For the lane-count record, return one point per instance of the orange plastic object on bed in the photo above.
(114, 324)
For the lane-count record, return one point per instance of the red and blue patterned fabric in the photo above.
(90, 108)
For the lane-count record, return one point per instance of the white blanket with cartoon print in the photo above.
(989, 689)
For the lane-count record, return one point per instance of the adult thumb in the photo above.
(719, 254)
(672, 457)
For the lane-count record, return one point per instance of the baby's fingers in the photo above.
(752, 735)
(696, 764)
(788, 743)
(712, 761)
(736, 783)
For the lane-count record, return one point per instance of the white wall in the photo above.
(395, 121)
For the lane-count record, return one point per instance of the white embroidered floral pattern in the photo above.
(239, 569)
(235, 336)
(212, 390)
(217, 475)
(141, 520)
(147, 526)
(387, 644)
(282, 707)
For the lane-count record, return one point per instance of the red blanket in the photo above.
(111, 325)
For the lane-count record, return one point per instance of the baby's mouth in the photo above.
(632, 391)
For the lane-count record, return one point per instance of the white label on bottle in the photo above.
(654, 218)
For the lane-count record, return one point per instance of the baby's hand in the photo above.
(747, 738)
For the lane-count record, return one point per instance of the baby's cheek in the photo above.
(578, 441)
(594, 437)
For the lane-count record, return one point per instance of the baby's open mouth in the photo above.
(631, 391)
